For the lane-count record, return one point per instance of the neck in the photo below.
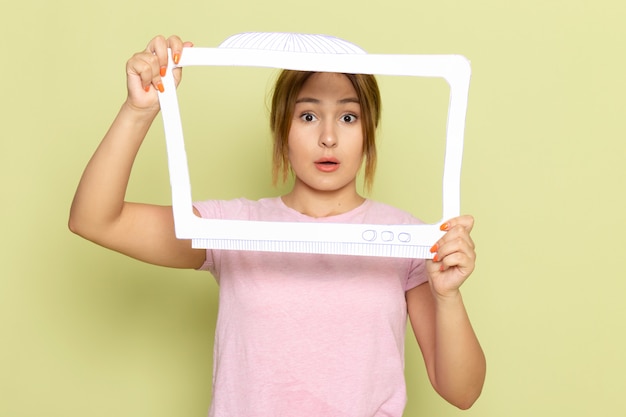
(316, 203)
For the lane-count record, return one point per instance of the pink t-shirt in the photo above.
(302, 335)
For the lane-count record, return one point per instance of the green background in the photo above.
(88, 332)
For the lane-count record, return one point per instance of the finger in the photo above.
(465, 221)
(176, 46)
(446, 243)
(464, 263)
(455, 241)
(157, 48)
(143, 66)
(161, 54)
(177, 51)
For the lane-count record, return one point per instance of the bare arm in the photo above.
(454, 359)
(99, 211)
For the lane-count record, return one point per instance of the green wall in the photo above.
(87, 332)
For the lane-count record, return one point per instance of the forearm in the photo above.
(459, 360)
(99, 198)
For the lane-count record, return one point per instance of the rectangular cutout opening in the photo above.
(434, 119)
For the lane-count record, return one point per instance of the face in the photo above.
(326, 138)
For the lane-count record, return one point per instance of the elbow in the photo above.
(466, 403)
(73, 221)
(77, 229)
(74, 224)
(79, 226)
(465, 396)
(471, 395)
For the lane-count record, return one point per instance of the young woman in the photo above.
(298, 334)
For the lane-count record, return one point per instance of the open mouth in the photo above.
(327, 165)
(327, 161)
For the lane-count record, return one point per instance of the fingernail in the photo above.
(436, 258)
(444, 227)
(163, 71)
(441, 268)
(160, 87)
(176, 58)
(147, 88)
(434, 248)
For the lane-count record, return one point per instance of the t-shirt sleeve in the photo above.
(417, 274)
(236, 209)
(209, 210)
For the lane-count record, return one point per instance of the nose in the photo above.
(328, 136)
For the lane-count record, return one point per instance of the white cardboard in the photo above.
(327, 54)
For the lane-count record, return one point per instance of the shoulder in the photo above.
(239, 208)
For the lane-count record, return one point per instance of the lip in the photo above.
(327, 164)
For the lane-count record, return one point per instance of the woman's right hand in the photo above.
(99, 211)
(145, 69)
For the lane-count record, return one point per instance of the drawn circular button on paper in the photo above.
(387, 236)
(404, 237)
(369, 235)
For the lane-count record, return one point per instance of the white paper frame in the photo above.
(413, 241)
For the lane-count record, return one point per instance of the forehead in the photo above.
(327, 84)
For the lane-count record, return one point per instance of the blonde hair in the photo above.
(286, 90)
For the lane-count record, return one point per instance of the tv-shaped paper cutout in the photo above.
(322, 54)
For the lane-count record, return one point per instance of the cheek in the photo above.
(291, 141)
(293, 149)
(292, 138)
(297, 141)
(359, 144)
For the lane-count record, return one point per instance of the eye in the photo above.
(348, 118)
(307, 117)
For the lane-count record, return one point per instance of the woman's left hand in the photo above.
(455, 257)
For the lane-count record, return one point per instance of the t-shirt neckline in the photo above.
(363, 206)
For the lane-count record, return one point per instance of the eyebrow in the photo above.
(316, 101)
